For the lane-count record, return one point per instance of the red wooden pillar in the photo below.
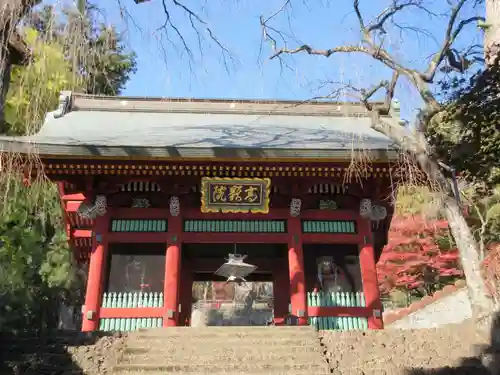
(172, 272)
(96, 275)
(186, 293)
(369, 275)
(281, 291)
(298, 297)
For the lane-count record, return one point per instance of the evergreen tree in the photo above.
(96, 52)
(37, 269)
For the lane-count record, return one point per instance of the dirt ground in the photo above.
(61, 352)
(99, 357)
(452, 349)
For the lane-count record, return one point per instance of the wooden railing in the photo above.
(327, 311)
(338, 311)
(131, 311)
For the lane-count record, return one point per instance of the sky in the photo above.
(245, 71)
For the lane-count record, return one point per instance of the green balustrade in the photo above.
(130, 300)
(118, 225)
(235, 226)
(329, 226)
(339, 299)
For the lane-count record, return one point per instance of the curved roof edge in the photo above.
(102, 127)
(57, 151)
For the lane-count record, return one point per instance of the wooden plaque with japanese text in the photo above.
(235, 195)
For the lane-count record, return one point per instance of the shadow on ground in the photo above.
(57, 352)
(487, 360)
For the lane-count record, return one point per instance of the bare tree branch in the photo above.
(168, 23)
(360, 16)
(421, 79)
(278, 11)
(451, 35)
(390, 91)
(196, 23)
(386, 14)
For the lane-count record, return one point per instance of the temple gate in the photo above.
(158, 192)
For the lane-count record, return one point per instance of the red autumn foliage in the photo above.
(491, 270)
(413, 259)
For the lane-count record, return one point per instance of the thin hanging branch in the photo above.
(198, 25)
(368, 46)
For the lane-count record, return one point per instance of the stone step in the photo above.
(233, 367)
(223, 341)
(277, 372)
(406, 369)
(254, 329)
(218, 357)
(176, 349)
(223, 332)
(395, 371)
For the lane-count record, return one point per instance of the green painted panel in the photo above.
(130, 300)
(128, 324)
(235, 226)
(337, 323)
(138, 225)
(328, 226)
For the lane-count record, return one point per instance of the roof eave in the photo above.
(91, 152)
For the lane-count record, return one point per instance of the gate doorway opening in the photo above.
(216, 302)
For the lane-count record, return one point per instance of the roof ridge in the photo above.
(74, 101)
(390, 317)
(218, 100)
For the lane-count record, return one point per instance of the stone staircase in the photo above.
(246, 350)
(223, 350)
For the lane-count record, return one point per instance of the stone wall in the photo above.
(448, 306)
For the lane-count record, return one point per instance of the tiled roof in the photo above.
(394, 315)
(97, 126)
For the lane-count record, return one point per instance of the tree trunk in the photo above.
(482, 306)
(5, 68)
(492, 32)
(11, 12)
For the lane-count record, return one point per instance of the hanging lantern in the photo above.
(235, 269)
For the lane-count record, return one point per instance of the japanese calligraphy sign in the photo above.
(235, 195)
